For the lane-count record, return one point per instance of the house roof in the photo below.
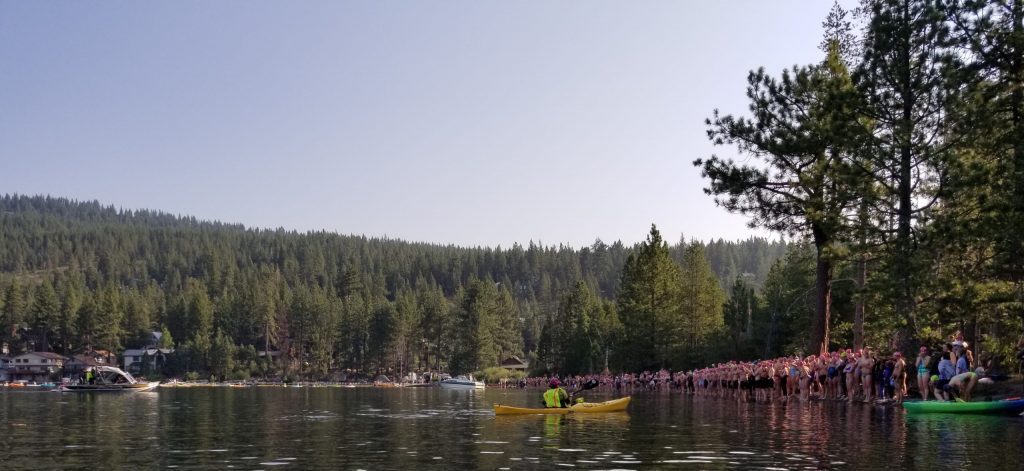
(146, 351)
(86, 360)
(513, 361)
(47, 355)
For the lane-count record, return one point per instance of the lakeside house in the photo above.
(103, 357)
(76, 365)
(37, 367)
(146, 360)
(5, 375)
(514, 363)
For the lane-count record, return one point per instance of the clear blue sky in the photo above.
(465, 122)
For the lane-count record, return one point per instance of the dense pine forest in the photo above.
(79, 276)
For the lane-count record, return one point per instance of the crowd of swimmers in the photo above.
(862, 375)
(949, 373)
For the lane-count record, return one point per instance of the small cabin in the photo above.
(514, 363)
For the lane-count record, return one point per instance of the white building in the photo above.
(39, 367)
(138, 360)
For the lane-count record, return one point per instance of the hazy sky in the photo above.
(465, 122)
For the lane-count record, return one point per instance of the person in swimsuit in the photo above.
(923, 364)
(821, 375)
(851, 377)
(899, 377)
(964, 383)
(780, 379)
(834, 367)
(793, 380)
(866, 364)
(758, 382)
(946, 372)
(804, 371)
(826, 382)
(883, 373)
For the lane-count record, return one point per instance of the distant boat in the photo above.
(462, 382)
(109, 378)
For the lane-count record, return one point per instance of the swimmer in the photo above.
(899, 377)
(964, 383)
(866, 364)
(923, 365)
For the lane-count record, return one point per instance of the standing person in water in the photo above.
(946, 372)
(850, 373)
(924, 367)
(899, 377)
(866, 365)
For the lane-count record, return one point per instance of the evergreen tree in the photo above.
(475, 328)
(578, 314)
(14, 313)
(804, 127)
(166, 341)
(88, 322)
(701, 300)
(738, 317)
(71, 302)
(789, 300)
(649, 305)
(434, 310)
(107, 319)
(44, 314)
(903, 78)
(221, 356)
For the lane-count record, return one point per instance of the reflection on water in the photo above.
(342, 428)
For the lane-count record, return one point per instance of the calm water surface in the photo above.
(371, 429)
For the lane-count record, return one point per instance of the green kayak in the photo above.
(1006, 406)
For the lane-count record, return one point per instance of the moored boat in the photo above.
(614, 405)
(1005, 406)
(462, 382)
(109, 378)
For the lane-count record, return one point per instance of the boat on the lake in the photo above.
(614, 405)
(1005, 406)
(109, 378)
(461, 382)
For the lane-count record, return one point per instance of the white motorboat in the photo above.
(109, 378)
(462, 382)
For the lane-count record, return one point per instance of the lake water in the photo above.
(373, 429)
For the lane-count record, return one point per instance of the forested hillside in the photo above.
(77, 275)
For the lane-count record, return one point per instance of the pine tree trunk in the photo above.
(823, 287)
(858, 308)
(1016, 79)
(904, 135)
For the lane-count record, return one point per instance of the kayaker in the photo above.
(555, 396)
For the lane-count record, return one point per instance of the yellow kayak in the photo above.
(583, 407)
